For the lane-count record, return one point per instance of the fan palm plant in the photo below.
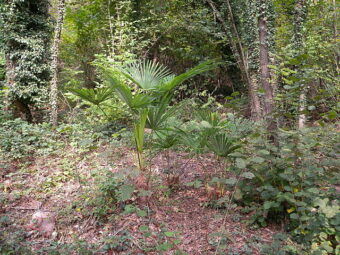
(149, 100)
(94, 96)
(222, 145)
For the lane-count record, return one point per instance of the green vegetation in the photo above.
(169, 127)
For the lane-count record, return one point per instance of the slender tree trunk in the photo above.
(264, 62)
(238, 51)
(54, 65)
(268, 105)
(335, 24)
(255, 104)
(299, 18)
(112, 51)
(10, 80)
(302, 108)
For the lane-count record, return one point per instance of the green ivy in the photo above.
(26, 30)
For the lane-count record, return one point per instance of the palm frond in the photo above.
(146, 74)
(123, 91)
(134, 102)
(222, 145)
(140, 101)
(159, 114)
(165, 140)
(170, 83)
(213, 118)
(93, 96)
(196, 143)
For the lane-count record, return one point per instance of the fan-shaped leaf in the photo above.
(146, 74)
(221, 145)
(170, 83)
(93, 96)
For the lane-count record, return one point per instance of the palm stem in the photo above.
(103, 112)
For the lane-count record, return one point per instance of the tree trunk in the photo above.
(299, 18)
(112, 37)
(335, 25)
(255, 104)
(268, 105)
(264, 62)
(238, 51)
(302, 108)
(54, 65)
(22, 110)
(10, 80)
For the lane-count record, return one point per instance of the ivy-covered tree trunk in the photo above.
(336, 36)
(255, 104)
(299, 18)
(264, 61)
(54, 65)
(239, 53)
(268, 105)
(26, 26)
(10, 79)
(20, 106)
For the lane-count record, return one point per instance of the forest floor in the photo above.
(165, 221)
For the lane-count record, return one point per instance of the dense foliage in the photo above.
(168, 110)
(26, 33)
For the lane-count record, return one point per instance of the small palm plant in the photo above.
(153, 90)
(94, 96)
(222, 145)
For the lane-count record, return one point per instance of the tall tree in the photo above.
(230, 28)
(26, 24)
(264, 59)
(299, 18)
(54, 65)
(268, 106)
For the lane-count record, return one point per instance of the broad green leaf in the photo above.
(258, 160)
(164, 246)
(264, 152)
(248, 175)
(143, 228)
(294, 216)
(238, 195)
(231, 181)
(240, 163)
(125, 192)
(169, 234)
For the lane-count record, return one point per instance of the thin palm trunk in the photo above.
(54, 64)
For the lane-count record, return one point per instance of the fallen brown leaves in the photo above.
(180, 211)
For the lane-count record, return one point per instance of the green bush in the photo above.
(114, 190)
(295, 183)
(19, 139)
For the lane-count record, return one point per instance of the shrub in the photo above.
(295, 184)
(19, 139)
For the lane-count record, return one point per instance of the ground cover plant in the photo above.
(169, 127)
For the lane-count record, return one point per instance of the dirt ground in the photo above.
(55, 184)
